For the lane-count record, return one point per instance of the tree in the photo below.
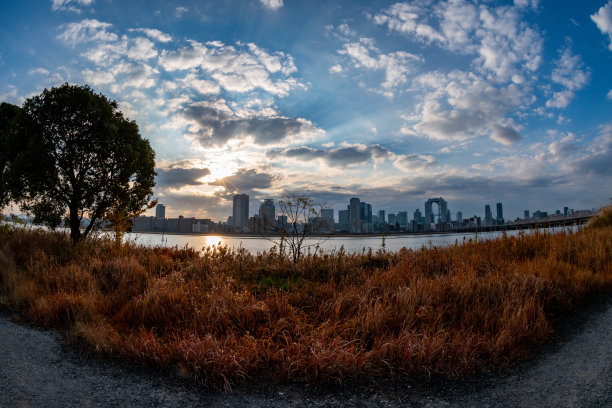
(303, 219)
(90, 161)
(10, 117)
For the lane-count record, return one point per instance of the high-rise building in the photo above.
(565, 210)
(392, 219)
(344, 220)
(240, 214)
(402, 219)
(160, 211)
(526, 214)
(488, 216)
(327, 218)
(267, 214)
(500, 214)
(355, 214)
(459, 217)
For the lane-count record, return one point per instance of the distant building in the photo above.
(402, 220)
(565, 210)
(526, 214)
(240, 214)
(488, 215)
(160, 211)
(392, 221)
(327, 219)
(267, 214)
(344, 220)
(355, 214)
(500, 214)
(459, 217)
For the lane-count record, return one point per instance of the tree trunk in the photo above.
(75, 225)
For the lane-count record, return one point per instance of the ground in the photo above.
(38, 368)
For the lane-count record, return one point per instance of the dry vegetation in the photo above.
(224, 316)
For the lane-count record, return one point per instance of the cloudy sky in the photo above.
(475, 101)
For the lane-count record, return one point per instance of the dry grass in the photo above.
(225, 316)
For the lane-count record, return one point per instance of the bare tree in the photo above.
(299, 218)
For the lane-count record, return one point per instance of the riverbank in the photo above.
(224, 317)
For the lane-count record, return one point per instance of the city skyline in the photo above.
(392, 102)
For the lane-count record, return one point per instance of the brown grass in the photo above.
(225, 316)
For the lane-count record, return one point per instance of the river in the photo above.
(350, 243)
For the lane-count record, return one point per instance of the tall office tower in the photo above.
(355, 213)
(381, 216)
(526, 214)
(392, 219)
(327, 218)
(328, 215)
(240, 212)
(267, 213)
(565, 210)
(417, 216)
(402, 219)
(459, 217)
(344, 220)
(282, 221)
(488, 215)
(500, 214)
(365, 212)
(448, 215)
(160, 211)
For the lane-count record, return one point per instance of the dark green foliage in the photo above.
(89, 160)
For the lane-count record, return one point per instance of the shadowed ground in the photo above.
(38, 369)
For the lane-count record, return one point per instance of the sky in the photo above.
(477, 102)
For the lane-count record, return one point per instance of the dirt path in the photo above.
(37, 369)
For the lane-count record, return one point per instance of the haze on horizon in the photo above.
(392, 102)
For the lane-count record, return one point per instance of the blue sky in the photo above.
(392, 102)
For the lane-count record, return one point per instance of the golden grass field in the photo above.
(225, 316)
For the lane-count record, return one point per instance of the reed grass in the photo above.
(223, 316)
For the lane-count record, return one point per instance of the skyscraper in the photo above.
(402, 219)
(500, 214)
(355, 214)
(240, 213)
(488, 215)
(160, 211)
(267, 214)
(327, 216)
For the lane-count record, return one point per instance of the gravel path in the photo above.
(37, 369)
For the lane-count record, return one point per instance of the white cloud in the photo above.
(404, 18)
(503, 44)
(235, 68)
(527, 3)
(71, 5)
(560, 99)
(336, 69)
(609, 96)
(154, 33)
(568, 71)
(179, 11)
(38, 71)
(86, 31)
(134, 75)
(98, 78)
(603, 19)
(141, 49)
(395, 65)
(461, 105)
(272, 4)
